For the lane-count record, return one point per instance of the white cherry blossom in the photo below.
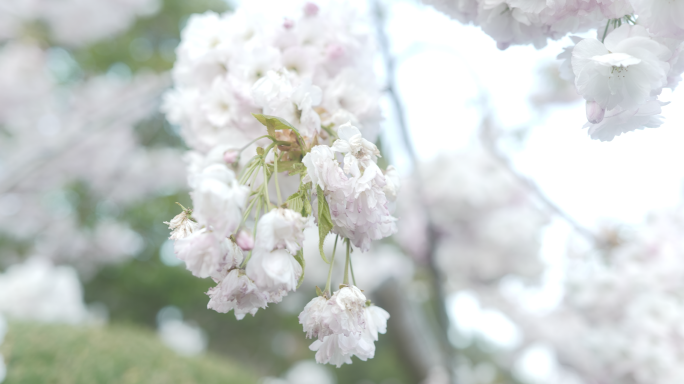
(238, 293)
(281, 228)
(624, 72)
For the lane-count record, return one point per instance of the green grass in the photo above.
(63, 354)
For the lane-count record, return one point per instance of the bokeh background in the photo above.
(505, 207)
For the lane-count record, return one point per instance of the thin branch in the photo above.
(391, 88)
(489, 142)
(449, 352)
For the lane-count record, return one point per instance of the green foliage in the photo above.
(149, 43)
(64, 354)
(325, 224)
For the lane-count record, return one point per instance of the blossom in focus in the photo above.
(358, 205)
(236, 292)
(218, 199)
(274, 272)
(207, 256)
(281, 228)
(345, 326)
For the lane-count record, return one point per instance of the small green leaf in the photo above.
(284, 166)
(325, 224)
(300, 259)
(273, 123)
(318, 291)
(297, 168)
(276, 123)
(295, 202)
(260, 151)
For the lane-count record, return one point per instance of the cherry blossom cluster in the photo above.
(488, 225)
(314, 71)
(628, 309)
(637, 51)
(622, 311)
(273, 109)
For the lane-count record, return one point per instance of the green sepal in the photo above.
(318, 291)
(325, 224)
(260, 151)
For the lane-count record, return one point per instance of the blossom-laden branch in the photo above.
(274, 118)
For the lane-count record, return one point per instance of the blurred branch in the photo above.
(448, 351)
(391, 88)
(489, 139)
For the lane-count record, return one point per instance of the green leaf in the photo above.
(273, 123)
(284, 166)
(297, 168)
(300, 259)
(295, 202)
(325, 224)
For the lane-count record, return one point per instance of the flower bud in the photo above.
(245, 241)
(594, 112)
(311, 9)
(230, 156)
(334, 51)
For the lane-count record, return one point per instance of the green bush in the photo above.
(63, 354)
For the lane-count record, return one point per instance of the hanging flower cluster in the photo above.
(275, 107)
(620, 73)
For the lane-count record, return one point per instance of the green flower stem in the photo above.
(330, 132)
(351, 266)
(264, 186)
(346, 265)
(254, 232)
(250, 143)
(246, 214)
(249, 170)
(332, 262)
(605, 32)
(276, 155)
(251, 183)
